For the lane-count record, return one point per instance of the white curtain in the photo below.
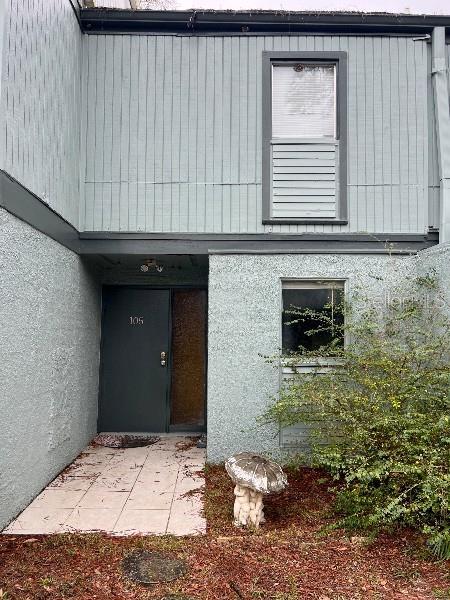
(303, 101)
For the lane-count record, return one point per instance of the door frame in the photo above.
(170, 288)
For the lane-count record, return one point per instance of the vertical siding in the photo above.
(184, 148)
(40, 101)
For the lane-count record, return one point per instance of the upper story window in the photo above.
(304, 137)
(303, 100)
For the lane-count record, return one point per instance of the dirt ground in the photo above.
(287, 559)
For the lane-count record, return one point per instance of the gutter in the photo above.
(76, 7)
(439, 75)
(254, 22)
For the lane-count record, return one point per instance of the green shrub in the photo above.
(380, 418)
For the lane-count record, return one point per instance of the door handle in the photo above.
(163, 359)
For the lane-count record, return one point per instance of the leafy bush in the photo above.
(380, 418)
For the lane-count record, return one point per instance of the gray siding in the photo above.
(41, 97)
(173, 133)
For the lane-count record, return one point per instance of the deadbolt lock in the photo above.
(163, 359)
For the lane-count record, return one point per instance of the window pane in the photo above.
(325, 302)
(303, 101)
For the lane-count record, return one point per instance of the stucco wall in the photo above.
(49, 348)
(436, 260)
(245, 321)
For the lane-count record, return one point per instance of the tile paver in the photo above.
(92, 519)
(33, 521)
(57, 498)
(149, 490)
(71, 483)
(143, 498)
(133, 521)
(186, 516)
(98, 496)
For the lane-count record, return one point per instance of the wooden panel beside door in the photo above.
(188, 360)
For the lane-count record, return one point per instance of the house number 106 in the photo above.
(136, 320)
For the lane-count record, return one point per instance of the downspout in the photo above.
(3, 19)
(442, 117)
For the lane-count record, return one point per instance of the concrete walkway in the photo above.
(150, 490)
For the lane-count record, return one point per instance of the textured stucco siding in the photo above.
(49, 350)
(40, 109)
(245, 322)
(436, 261)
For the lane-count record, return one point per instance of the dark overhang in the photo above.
(106, 243)
(203, 22)
(25, 205)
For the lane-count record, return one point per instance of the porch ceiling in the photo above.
(172, 261)
(185, 269)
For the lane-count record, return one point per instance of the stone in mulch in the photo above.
(202, 441)
(148, 568)
(124, 440)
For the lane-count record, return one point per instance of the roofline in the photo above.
(103, 20)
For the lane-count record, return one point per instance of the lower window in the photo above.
(312, 314)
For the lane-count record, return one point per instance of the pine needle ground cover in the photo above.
(289, 558)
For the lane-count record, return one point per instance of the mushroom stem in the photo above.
(248, 507)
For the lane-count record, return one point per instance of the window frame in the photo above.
(310, 283)
(269, 59)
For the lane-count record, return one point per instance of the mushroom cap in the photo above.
(256, 472)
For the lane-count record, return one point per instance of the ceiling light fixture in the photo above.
(150, 263)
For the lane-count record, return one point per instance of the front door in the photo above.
(153, 364)
(134, 373)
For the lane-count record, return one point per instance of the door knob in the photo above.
(163, 359)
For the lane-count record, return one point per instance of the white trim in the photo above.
(312, 284)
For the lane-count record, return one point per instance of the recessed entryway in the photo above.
(153, 359)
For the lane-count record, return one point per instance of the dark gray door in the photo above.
(133, 387)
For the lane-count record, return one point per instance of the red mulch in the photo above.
(286, 560)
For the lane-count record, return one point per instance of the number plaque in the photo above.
(136, 320)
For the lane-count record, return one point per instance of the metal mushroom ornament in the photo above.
(254, 477)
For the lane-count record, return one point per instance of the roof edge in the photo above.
(103, 20)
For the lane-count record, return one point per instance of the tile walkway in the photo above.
(151, 490)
